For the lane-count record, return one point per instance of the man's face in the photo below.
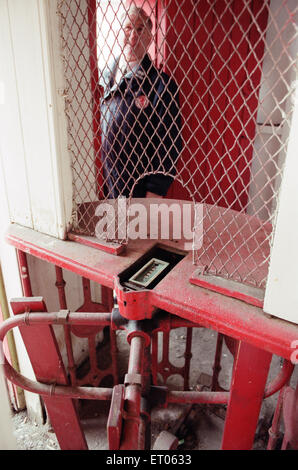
(137, 38)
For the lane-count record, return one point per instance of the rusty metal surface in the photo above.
(131, 402)
(174, 293)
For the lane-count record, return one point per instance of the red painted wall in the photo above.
(219, 74)
(217, 65)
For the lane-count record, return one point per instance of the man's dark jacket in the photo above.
(140, 122)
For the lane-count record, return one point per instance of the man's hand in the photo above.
(149, 194)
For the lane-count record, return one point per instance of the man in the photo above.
(140, 117)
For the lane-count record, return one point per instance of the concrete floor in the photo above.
(203, 428)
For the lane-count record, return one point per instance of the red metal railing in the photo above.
(133, 416)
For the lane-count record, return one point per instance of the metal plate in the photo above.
(144, 276)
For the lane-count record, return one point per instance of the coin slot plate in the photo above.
(149, 272)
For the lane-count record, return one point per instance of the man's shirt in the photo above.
(140, 122)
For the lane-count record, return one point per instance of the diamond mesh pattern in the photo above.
(235, 65)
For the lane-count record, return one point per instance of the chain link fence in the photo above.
(207, 120)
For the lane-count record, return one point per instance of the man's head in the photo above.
(136, 36)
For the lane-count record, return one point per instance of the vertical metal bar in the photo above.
(146, 376)
(114, 350)
(217, 360)
(24, 273)
(274, 430)
(250, 372)
(60, 284)
(107, 298)
(135, 364)
(86, 290)
(188, 356)
(107, 302)
(145, 424)
(93, 358)
(165, 346)
(131, 438)
(154, 357)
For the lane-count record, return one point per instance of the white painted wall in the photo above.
(281, 296)
(273, 126)
(13, 289)
(35, 167)
(274, 129)
(35, 159)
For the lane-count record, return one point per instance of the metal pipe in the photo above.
(280, 380)
(217, 362)
(87, 393)
(113, 349)
(62, 317)
(60, 284)
(154, 357)
(134, 431)
(198, 397)
(101, 393)
(104, 319)
(135, 363)
(274, 429)
(211, 397)
(133, 420)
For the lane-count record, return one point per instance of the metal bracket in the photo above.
(133, 379)
(114, 424)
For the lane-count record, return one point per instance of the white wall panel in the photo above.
(13, 160)
(13, 289)
(281, 297)
(36, 165)
(35, 172)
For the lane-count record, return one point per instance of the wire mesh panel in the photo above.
(189, 100)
